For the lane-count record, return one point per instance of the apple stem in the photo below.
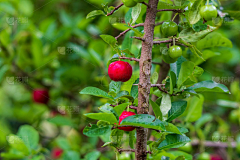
(128, 108)
(174, 16)
(207, 2)
(173, 41)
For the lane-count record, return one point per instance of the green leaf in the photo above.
(233, 14)
(194, 13)
(134, 89)
(17, 143)
(172, 129)
(127, 42)
(204, 119)
(61, 121)
(63, 143)
(116, 137)
(108, 109)
(176, 66)
(189, 35)
(186, 72)
(180, 158)
(209, 86)
(173, 80)
(124, 94)
(177, 109)
(199, 26)
(119, 26)
(115, 86)
(180, 153)
(154, 78)
(109, 117)
(94, 130)
(214, 40)
(131, 138)
(164, 5)
(140, 34)
(120, 108)
(95, 13)
(144, 120)
(136, 10)
(71, 155)
(127, 51)
(94, 155)
(206, 54)
(95, 92)
(179, 2)
(173, 141)
(194, 111)
(156, 110)
(31, 136)
(111, 41)
(198, 71)
(165, 105)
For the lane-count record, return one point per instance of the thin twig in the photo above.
(174, 10)
(137, 60)
(159, 42)
(131, 59)
(124, 32)
(132, 107)
(129, 150)
(138, 38)
(215, 144)
(137, 25)
(145, 4)
(159, 23)
(116, 8)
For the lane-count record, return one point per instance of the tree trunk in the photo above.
(144, 79)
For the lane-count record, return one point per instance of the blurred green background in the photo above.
(50, 44)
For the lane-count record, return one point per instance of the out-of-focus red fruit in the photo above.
(40, 96)
(216, 157)
(56, 153)
(120, 71)
(124, 115)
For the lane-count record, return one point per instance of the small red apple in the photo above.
(120, 71)
(56, 153)
(40, 96)
(216, 157)
(124, 115)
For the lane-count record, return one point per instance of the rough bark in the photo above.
(144, 79)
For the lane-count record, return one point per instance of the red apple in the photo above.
(124, 115)
(56, 153)
(216, 157)
(41, 96)
(120, 71)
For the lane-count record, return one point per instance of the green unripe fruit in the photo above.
(175, 52)
(186, 148)
(138, 1)
(166, 58)
(203, 156)
(234, 116)
(169, 28)
(208, 12)
(129, 3)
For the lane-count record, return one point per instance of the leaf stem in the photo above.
(174, 16)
